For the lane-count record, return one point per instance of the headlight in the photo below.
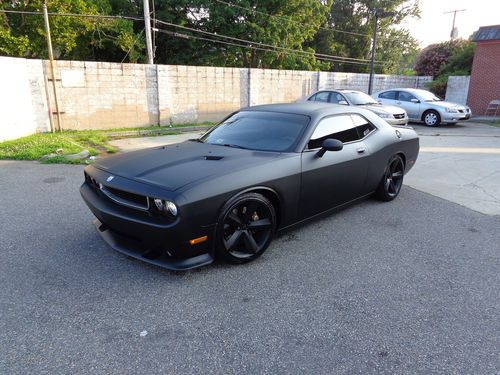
(384, 114)
(451, 110)
(166, 207)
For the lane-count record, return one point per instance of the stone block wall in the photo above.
(23, 100)
(102, 95)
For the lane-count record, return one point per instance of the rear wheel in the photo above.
(246, 228)
(431, 118)
(392, 180)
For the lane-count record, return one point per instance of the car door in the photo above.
(338, 176)
(411, 107)
(387, 97)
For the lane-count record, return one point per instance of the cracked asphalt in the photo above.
(406, 287)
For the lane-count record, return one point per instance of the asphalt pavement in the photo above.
(406, 287)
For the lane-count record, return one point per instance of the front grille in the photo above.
(121, 197)
(399, 115)
(125, 198)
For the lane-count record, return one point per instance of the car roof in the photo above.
(409, 89)
(312, 109)
(339, 90)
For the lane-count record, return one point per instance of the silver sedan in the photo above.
(393, 115)
(423, 105)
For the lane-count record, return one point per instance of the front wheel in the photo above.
(246, 228)
(392, 180)
(431, 118)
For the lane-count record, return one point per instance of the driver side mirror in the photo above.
(330, 144)
(415, 100)
(343, 102)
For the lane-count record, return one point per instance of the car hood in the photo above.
(444, 104)
(174, 166)
(385, 108)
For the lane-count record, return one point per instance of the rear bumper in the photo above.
(137, 235)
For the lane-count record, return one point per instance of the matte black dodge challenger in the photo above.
(262, 169)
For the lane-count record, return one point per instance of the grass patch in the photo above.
(35, 146)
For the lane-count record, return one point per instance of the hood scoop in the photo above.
(213, 157)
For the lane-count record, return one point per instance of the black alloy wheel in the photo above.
(392, 180)
(246, 228)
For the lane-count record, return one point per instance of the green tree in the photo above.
(349, 29)
(72, 37)
(284, 23)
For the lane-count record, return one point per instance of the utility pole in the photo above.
(147, 28)
(51, 58)
(453, 33)
(379, 13)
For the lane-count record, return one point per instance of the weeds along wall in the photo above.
(101, 95)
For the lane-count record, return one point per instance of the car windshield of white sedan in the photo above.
(359, 98)
(428, 96)
(263, 131)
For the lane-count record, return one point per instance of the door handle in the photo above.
(361, 150)
(398, 102)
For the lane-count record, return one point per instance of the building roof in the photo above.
(487, 33)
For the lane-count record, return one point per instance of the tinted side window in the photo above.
(363, 126)
(320, 96)
(388, 95)
(405, 97)
(337, 127)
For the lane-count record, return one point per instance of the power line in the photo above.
(185, 36)
(346, 59)
(72, 15)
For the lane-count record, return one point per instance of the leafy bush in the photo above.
(452, 58)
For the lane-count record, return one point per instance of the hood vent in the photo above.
(213, 157)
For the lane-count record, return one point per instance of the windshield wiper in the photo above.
(234, 146)
(196, 140)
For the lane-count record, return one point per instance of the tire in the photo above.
(245, 228)
(431, 118)
(392, 180)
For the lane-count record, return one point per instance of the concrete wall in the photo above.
(100, 95)
(23, 101)
(457, 89)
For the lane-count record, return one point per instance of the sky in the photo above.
(434, 26)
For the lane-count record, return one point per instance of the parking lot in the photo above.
(409, 286)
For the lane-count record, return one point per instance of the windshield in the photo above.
(359, 98)
(428, 96)
(264, 131)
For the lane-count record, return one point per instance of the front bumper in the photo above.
(397, 121)
(148, 239)
(454, 117)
